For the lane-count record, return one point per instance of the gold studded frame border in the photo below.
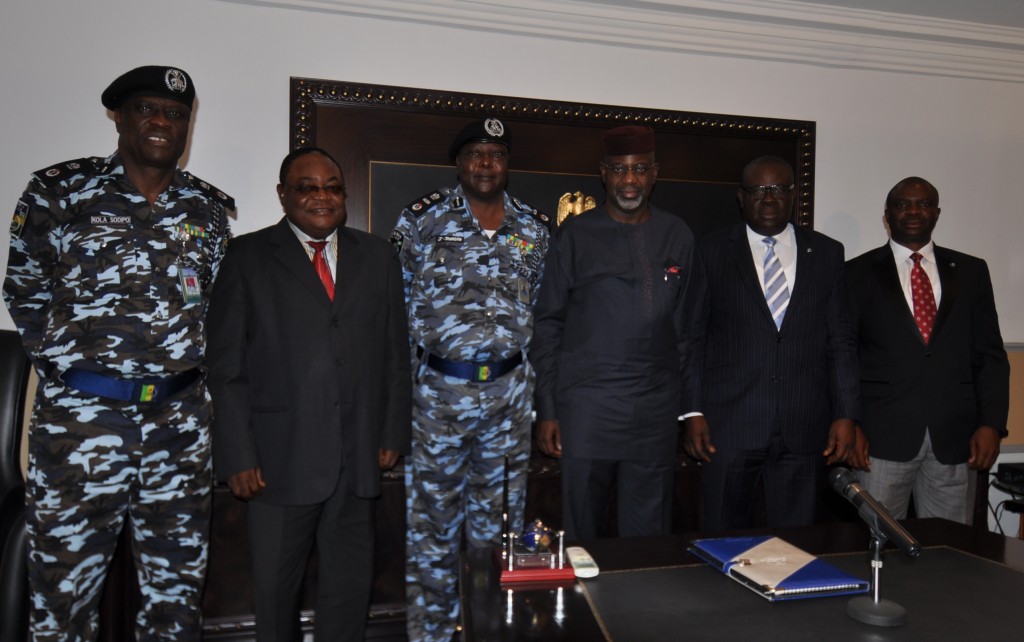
(392, 143)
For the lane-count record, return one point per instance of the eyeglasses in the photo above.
(309, 190)
(759, 191)
(901, 204)
(621, 170)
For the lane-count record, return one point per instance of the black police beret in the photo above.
(165, 82)
(485, 130)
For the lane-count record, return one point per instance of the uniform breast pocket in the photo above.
(444, 267)
(97, 260)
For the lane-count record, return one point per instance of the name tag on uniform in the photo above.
(191, 291)
(449, 239)
(110, 219)
(524, 291)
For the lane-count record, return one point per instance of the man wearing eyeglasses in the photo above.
(607, 348)
(934, 372)
(309, 372)
(472, 258)
(771, 372)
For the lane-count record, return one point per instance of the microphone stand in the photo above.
(873, 609)
(506, 531)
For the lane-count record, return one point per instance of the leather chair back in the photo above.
(14, 372)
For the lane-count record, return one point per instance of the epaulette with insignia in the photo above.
(55, 174)
(425, 202)
(210, 191)
(532, 211)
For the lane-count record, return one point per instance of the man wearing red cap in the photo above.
(608, 327)
(110, 266)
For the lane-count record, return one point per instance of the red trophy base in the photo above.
(534, 574)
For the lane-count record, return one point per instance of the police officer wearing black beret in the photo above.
(472, 257)
(111, 261)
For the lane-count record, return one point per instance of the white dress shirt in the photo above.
(904, 264)
(785, 249)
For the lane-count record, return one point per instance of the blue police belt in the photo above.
(476, 371)
(150, 390)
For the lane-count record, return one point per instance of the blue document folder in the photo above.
(775, 569)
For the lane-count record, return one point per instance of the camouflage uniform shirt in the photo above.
(94, 270)
(470, 297)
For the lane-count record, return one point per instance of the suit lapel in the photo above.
(805, 259)
(892, 290)
(350, 262)
(288, 250)
(743, 259)
(949, 277)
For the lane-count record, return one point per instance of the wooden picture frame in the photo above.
(392, 144)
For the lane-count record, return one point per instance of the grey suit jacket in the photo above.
(749, 378)
(303, 387)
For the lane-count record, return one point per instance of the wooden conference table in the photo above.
(966, 584)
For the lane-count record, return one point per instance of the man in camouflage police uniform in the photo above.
(472, 258)
(110, 263)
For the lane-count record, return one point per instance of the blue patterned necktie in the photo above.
(776, 292)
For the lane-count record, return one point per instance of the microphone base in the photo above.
(881, 613)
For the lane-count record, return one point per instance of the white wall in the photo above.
(874, 128)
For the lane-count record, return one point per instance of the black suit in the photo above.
(763, 388)
(310, 390)
(952, 385)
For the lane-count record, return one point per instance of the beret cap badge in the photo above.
(175, 80)
(494, 127)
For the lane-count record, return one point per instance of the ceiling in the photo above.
(1006, 13)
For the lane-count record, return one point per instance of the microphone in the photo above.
(871, 511)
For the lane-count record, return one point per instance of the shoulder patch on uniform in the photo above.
(532, 211)
(397, 239)
(425, 202)
(211, 191)
(19, 218)
(54, 174)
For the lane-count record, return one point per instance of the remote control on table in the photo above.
(582, 563)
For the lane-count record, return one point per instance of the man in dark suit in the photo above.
(934, 373)
(770, 378)
(311, 384)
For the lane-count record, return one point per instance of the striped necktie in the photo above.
(776, 292)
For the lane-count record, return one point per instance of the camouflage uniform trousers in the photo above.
(94, 462)
(453, 478)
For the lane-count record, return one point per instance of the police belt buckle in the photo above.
(135, 391)
(477, 372)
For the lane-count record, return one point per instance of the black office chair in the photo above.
(13, 571)
(14, 373)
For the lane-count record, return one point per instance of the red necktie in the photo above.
(322, 269)
(923, 298)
